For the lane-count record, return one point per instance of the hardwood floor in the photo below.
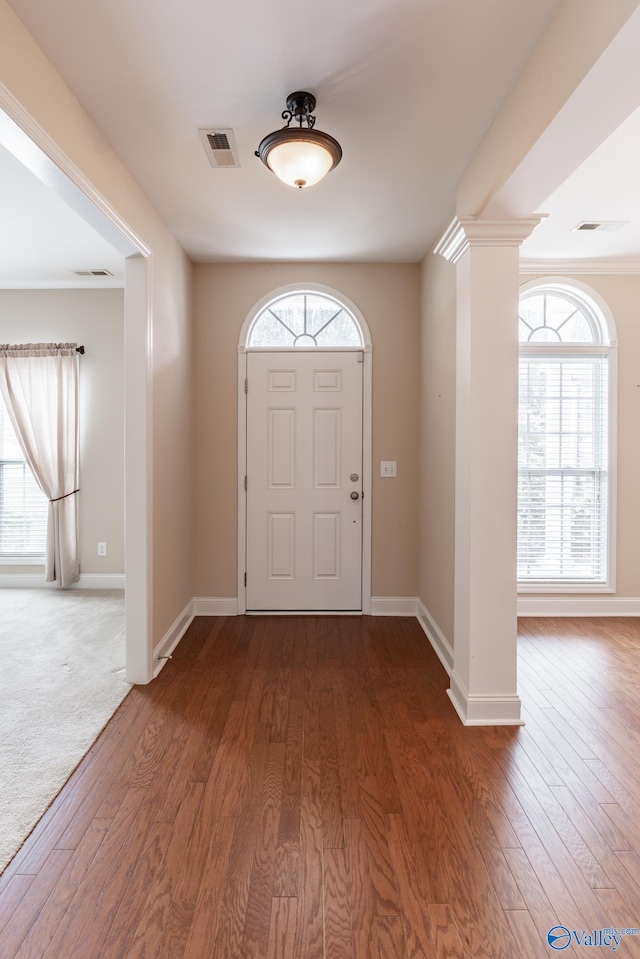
(301, 787)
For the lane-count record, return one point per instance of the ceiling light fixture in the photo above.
(302, 155)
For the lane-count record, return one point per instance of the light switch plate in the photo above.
(388, 468)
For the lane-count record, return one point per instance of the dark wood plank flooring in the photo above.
(301, 787)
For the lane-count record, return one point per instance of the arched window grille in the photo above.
(564, 440)
(305, 320)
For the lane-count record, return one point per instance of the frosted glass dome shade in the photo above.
(300, 157)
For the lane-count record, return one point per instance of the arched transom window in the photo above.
(565, 425)
(306, 320)
(549, 316)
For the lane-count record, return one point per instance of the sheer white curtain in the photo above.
(39, 385)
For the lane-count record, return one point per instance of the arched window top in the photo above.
(305, 319)
(555, 314)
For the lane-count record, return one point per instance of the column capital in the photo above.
(467, 231)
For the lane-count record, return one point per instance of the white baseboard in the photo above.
(162, 652)
(578, 606)
(380, 606)
(441, 646)
(215, 606)
(394, 606)
(198, 606)
(86, 581)
(496, 710)
(490, 710)
(411, 606)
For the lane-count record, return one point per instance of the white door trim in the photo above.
(367, 428)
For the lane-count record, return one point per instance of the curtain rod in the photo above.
(79, 349)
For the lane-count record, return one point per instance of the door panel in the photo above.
(281, 545)
(281, 448)
(326, 545)
(304, 442)
(327, 448)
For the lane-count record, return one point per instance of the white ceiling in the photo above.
(42, 240)
(408, 87)
(606, 187)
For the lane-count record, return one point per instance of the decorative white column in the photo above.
(484, 677)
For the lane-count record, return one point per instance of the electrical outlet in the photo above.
(388, 468)
(102, 549)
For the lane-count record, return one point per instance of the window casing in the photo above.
(23, 505)
(565, 442)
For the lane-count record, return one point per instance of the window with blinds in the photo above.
(23, 505)
(563, 441)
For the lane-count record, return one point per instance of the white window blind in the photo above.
(23, 505)
(562, 486)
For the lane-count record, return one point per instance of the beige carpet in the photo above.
(62, 658)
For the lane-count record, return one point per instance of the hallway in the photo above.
(302, 787)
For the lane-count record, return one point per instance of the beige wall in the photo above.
(94, 318)
(31, 79)
(437, 441)
(621, 293)
(388, 297)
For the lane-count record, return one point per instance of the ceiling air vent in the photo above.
(607, 226)
(93, 272)
(220, 147)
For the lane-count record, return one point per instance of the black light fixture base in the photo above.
(301, 105)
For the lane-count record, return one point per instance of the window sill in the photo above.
(36, 561)
(544, 588)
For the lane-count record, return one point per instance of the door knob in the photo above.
(355, 495)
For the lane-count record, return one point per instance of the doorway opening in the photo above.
(32, 146)
(304, 454)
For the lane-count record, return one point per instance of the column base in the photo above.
(483, 710)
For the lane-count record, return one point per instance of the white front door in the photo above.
(304, 481)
